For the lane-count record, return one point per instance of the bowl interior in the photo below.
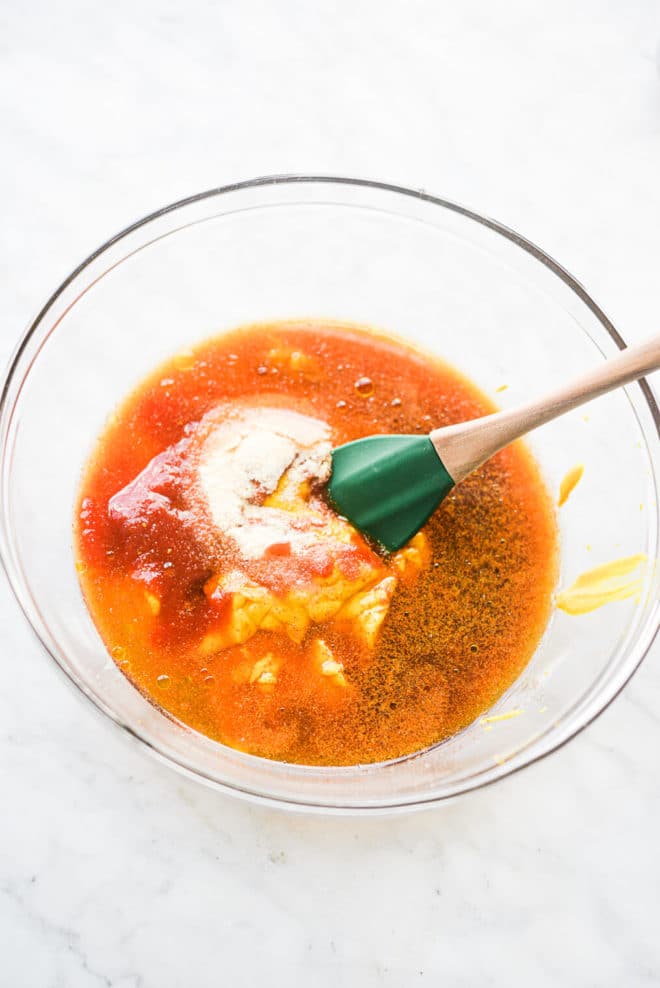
(415, 267)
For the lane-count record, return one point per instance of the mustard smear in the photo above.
(569, 483)
(602, 585)
(494, 718)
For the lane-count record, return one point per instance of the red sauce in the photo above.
(455, 637)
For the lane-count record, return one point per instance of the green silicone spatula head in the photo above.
(388, 486)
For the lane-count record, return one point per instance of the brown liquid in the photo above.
(453, 641)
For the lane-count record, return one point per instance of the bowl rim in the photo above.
(305, 804)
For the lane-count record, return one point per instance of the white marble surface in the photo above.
(113, 871)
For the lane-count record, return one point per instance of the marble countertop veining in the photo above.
(113, 870)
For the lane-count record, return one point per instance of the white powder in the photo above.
(242, 461)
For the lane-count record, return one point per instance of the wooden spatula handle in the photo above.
(464, 447)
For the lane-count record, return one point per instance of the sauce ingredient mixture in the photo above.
(232, 595)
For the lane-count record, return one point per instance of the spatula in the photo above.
(388, 486)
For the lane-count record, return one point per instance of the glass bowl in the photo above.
(453, 282)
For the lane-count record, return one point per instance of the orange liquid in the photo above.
(453, 641)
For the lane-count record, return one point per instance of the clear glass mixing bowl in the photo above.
(458, 284)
